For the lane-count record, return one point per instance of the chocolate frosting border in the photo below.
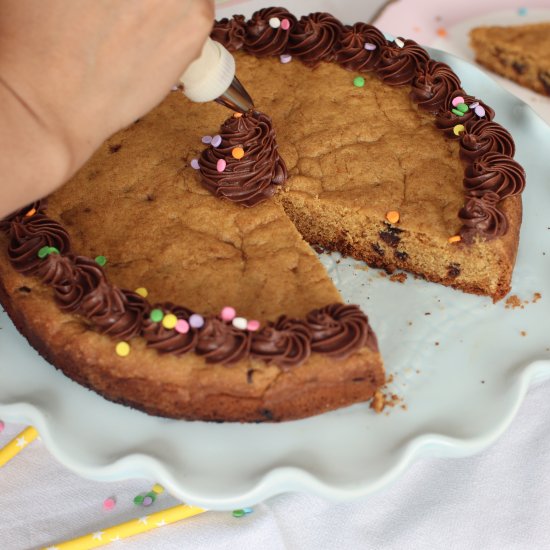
(320, 37)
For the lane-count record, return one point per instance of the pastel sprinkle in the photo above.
(182, 326)
(399, 42)
(228, 313)
(109, 503)
(479, 111)
(216, 141)
(138, 500)
(141, 291)
(441, 32)
(370, 46)
(457, 112)
(174, 88)
(392, 216)
(359, 81)
(238, 513)
(158, 489)
(274, 22)
(248, 510)
(196, 320)
(389, 37)
(156, 315)
(285, 58)
(2, 426)
(237, 115)
(206, 139)
(474, 104)
(457, 101)
(458, 129)
(30, 213)
(101, 260)
(46, 251)
(462, 107)
(122, 349)
(195, 164)
(522, 11)
(240, 322)
(237, 153)
(285, 24)
(169, 321)
(454, 239)
(253, 325)
(148, 499)
(220, 165)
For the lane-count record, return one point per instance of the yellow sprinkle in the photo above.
(455, 239)
(158, 489)
(458, 129)
(123, 349)
(143, 292)
(237, 115)
(169, 321)
(30, 213)
(392, 216)
(238, 153)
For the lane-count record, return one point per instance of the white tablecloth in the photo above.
(497, 499)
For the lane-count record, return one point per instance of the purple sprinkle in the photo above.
(370, 46)
(195, 164)
(147, 501)
(479, 111)
(216, 141)
(474, 104)
(206, 139)
(196, 320)
(285, 58)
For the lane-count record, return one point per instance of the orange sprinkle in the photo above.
(237, 115)
(30, 213)
(392, 216)
(455, 239)
(441, 32)
(238, 153)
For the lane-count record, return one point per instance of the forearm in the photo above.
(33, 160)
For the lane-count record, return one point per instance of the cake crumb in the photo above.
(378, 402)
(436, 343)
(523, 333)
(536, 297)
(513, 302)
(399, 277)
(382, 274)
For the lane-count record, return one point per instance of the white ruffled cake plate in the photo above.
(461, 366)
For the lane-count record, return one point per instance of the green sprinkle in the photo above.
(46, 251)
(462, 107)
(238, 513)
(157, 315)
(359, 81)
(139, 500)
(101, 260)
(457, 112)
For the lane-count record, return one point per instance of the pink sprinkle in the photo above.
(196, 320)
(175, 88)
(253, 325)
(285, 58)
(457, 101)
(228, 313)
(474, 104)
(285, 24)
(479, 111)
(182, 326)
(370, 46)
(2, 426)
(220, 165)
(109, 503)
(216, 141)
(195, 164)
(206, 139)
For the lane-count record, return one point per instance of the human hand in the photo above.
(77, 71)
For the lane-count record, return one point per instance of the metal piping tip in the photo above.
(236, 98)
